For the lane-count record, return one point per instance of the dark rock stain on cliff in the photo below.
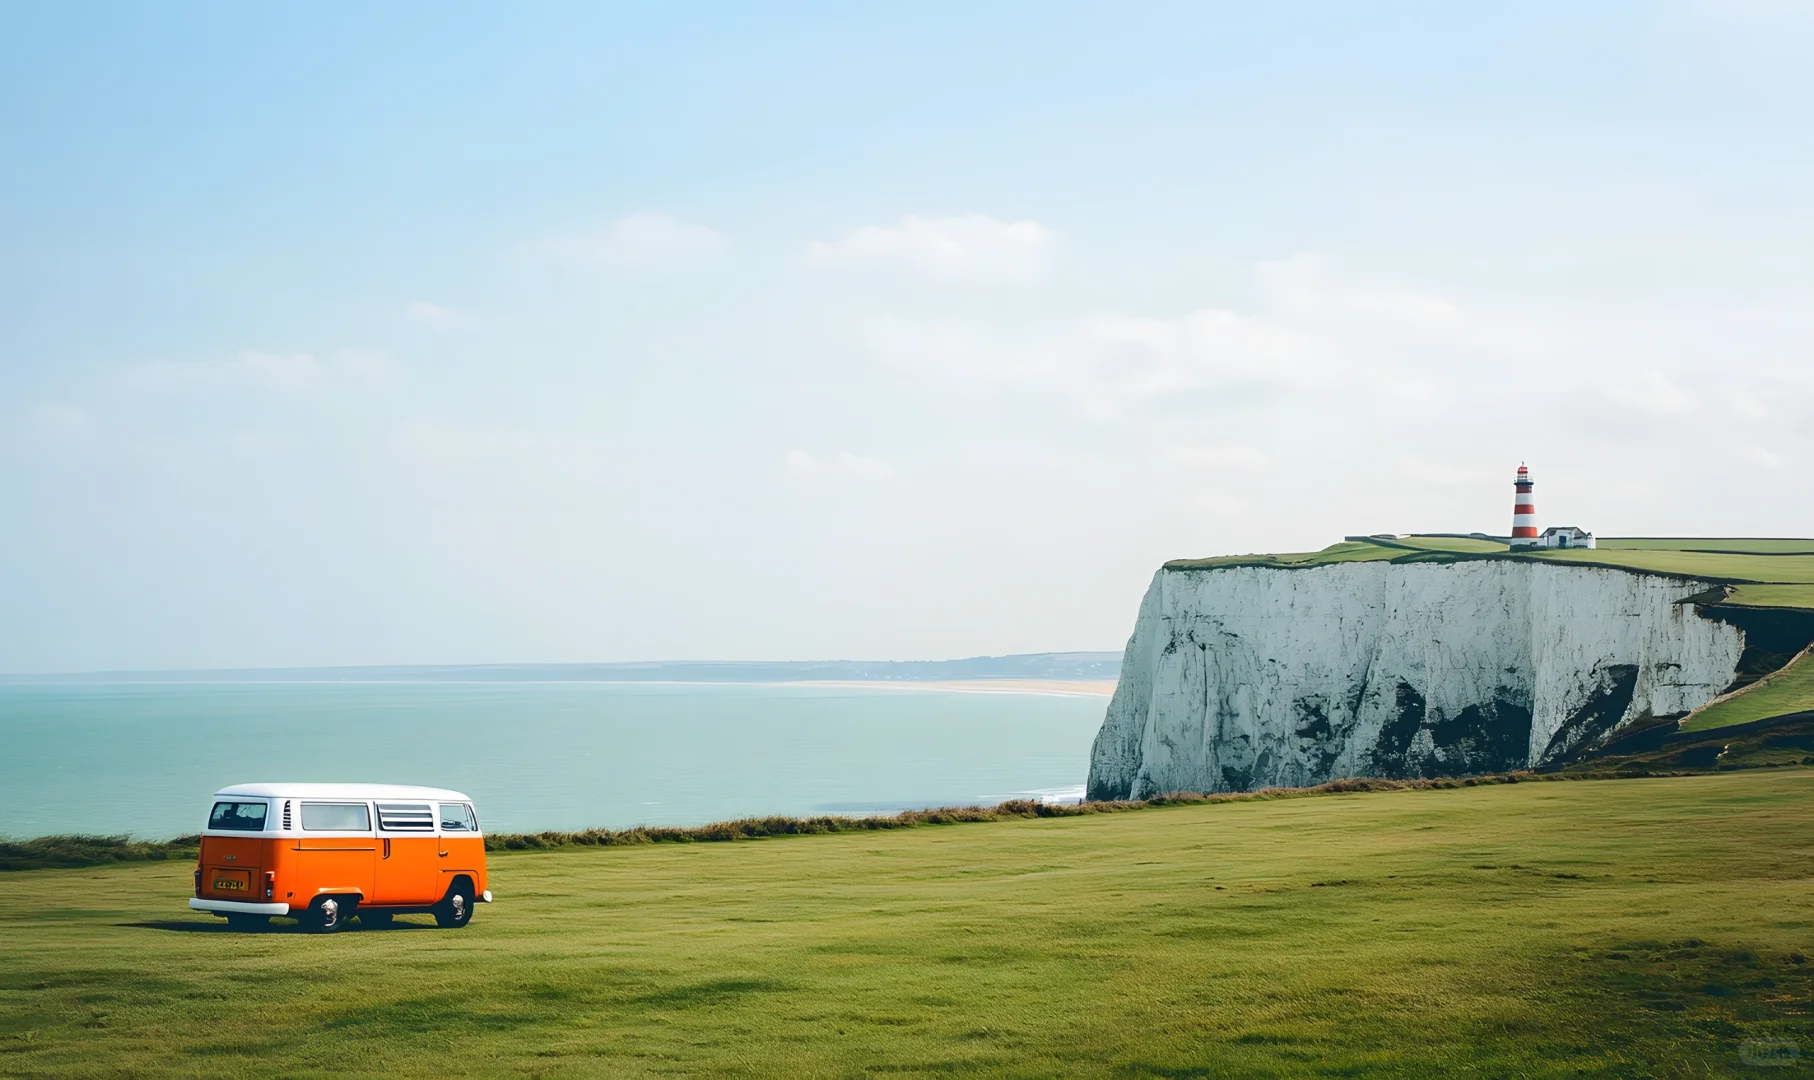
(1598, 715)
(1393, 749)
(1322, 743)
(1484, 737)
(1488, 737)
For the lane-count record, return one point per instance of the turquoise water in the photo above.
(143, 758)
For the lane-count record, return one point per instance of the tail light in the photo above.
(270, 884)
(198, 881)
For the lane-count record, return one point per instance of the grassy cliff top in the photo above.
(1764, 572)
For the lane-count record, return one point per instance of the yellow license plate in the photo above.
(224, 885)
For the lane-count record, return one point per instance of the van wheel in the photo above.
(327, 915)
(456, 910)
(375, 920)
(243, 922)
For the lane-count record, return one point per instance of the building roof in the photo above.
(361, 792)
(1566, 528)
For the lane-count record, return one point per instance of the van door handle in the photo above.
(444, 854)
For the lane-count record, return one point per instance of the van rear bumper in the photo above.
(238, 907)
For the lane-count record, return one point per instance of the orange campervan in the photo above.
(321, 853)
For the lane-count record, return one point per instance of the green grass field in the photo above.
(1708, 543)
(1611, 928)
(1795, 596)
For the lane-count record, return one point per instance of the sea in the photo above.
(142, 759)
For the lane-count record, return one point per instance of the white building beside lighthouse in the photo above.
(1565, 536)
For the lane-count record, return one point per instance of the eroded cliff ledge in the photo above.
(1245, 677)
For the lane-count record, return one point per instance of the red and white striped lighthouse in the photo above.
(1524, 511)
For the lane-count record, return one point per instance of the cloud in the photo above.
(442, 444)
(288, 372)
(843, 463)
(1144, 357)
(974, 247)
(1110, 364)
(1338, 347)
(1219, 458)
(640, 240)
(510, 458)
(1758, 455)
(1428, 473)
(954, 350)
(1745, 405)
(1315, 332)
(1222, 504)
(1652, 394)
(282, 373)
(1303, 286)
(430, 314)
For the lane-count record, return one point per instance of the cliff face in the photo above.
(1239, 678)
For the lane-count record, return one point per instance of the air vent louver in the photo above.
(406, 817)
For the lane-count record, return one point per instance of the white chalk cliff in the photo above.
(1238, 678)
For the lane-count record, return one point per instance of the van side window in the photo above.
(336, 817)
(406, 817)
(457, 817)
(238, 816)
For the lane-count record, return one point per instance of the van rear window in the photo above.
(238, 816)
(336, 817)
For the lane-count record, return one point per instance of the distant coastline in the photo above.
(1055, 687)
(968, 673)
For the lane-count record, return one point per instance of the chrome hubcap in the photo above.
(330, 912)
(459, 906)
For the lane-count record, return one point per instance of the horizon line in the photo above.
(1092, 655)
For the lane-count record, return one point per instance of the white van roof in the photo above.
(362, 792)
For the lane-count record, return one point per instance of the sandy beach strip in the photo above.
(1054, 687)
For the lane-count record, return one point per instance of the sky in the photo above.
(442, 333)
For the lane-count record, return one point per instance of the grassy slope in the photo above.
(1778, 742)
(1797, 596)
(1640, 927)
(1789, 690)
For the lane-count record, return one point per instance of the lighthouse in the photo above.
(1524, 511)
